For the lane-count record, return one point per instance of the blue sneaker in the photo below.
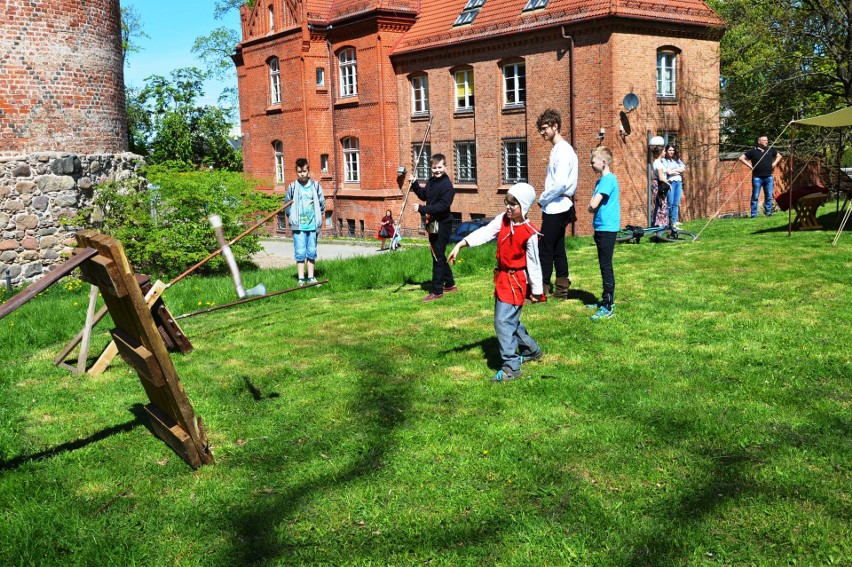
(602, 313)
(597, 306)
(534, 357)
(506, 374)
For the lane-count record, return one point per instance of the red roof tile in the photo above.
(435, 27)
(341, 9)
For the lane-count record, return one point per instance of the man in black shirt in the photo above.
(762, 162)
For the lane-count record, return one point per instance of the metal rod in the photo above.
(219, 251)
(246, 300)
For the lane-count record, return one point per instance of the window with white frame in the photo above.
(351, 160)
(464, 90)
(469, 12)
(535, 5)
(348, 72)
(278, 147)
(514, 84)
(274, 81)
(320, 76)
(420, 95)
(666, 74)
(465, 162)
(423, 168)
(324, 163)
(514, 161)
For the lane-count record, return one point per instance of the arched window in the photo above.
(271, 19)
(274, 81)
(666, 73)
(278, 147)
(351, 160)
(348, 72)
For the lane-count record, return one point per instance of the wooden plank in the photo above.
(87, 331)
(79, 337)
(173, 435)
(108, 354)
(52, 277)
(140, 358)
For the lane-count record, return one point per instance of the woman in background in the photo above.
(674, 168)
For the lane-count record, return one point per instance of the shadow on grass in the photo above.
(583, 296)
(136, 410)
(408, 282)
(728, 479)
(490, 348)
(381, 406)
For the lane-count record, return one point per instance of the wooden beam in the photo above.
(52, 277)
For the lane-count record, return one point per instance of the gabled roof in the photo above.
(435, 28)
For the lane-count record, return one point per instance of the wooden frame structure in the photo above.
(103, 264)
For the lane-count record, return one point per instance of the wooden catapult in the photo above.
(137, 339)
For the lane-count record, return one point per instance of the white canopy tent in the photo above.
(837, 119)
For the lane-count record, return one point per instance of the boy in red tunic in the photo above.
(518, 272)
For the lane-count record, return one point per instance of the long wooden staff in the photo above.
(219, 251)
(396, 233)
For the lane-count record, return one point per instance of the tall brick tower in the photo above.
(61, 77)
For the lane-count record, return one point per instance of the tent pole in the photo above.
(790, 188)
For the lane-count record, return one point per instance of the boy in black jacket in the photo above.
(439, 195)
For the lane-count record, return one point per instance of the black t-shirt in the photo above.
(762, 167)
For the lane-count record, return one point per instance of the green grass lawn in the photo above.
(708, 422)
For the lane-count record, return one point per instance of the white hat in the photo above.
(525, 195)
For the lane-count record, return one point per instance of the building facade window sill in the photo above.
(274, 108)
(515, 109)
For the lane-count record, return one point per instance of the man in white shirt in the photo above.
(556, 204)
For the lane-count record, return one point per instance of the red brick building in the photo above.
(351, 84)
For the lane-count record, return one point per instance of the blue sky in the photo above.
(173, 26)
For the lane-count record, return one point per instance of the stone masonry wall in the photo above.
(39, 194)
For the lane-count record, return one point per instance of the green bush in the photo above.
(165, 228)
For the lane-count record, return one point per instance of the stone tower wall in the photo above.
(40, 197)
(61, 77)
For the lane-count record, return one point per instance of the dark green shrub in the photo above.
(165, 228)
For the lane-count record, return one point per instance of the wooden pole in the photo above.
(87, 330)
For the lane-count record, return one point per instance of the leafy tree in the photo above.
(215, 51)
(780, 61)
(165, 229)
(168, 124)
(222, 7)
(131, 30)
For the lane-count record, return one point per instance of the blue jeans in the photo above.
(768, 185)
(674, 196)
(512, 335)
(305, 245)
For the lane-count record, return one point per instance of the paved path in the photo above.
(278, 252)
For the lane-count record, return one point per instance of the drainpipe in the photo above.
(380, 59)
(571, 102)
(570, 82)
(333, 166)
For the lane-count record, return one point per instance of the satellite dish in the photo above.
(631, 101)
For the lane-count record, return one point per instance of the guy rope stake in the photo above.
(219, 251)
(395, 241)
(260, 289)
